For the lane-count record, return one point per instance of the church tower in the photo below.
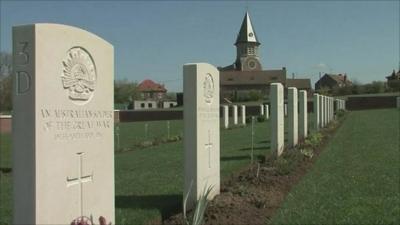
(247, 55)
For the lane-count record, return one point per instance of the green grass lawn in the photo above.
(356, 179)
(149, 181)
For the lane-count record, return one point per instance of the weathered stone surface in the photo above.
(201, 131)
(63, 142)
(303, 117)
(293, 134)
(277, 119)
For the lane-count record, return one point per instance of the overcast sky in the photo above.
(154, 39)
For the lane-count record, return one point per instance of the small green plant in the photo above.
(313, 140)
(201, 206)
(308, 152)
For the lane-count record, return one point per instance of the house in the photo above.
(152, 96)
(150, 90)
(246, 75)
(331, 81)
(393, 80)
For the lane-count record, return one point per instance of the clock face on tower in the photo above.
(251, 63)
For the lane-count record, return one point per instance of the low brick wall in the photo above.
(5, 123)
(375, 102)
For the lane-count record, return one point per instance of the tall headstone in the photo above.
(329, 109)
(267, 111)
(261, 110)
(326, 110)
(316, 112)
(293, 134)
(285, 109)
(235, 114)
(226, 116)
(201, 131)
(277, 119)
(63, 125)
(398, 102)
(337, 104)
(243, 114)
(321, 111)
(303, 117)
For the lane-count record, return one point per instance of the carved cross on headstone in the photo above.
(79, 181)
(209, 146)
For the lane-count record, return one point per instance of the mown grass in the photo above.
(356, 179)
(149, 181)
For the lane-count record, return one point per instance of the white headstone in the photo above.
(201, 131)
(285, 109)
(277, 120)
(261, 110)
(63, 124)
(243, 114)
(398, 102)
(303, 117)
(235, 114)
(316, 112)
(337, 104)
(267, 111)
(226, 116)
(293, 134)
(326, 110)
(321, 111)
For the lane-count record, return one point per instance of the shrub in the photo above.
(313, 140)
(260, 118)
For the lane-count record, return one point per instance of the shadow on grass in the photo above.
(168, 205)
(229, 158)
(264, 142)
(256, 148)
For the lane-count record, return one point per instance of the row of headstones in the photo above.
(324, 109)
(264, 111)
(63, 145)
(297, 117)
(234, 115)
(202, 134)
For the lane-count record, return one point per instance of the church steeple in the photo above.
(247, 57)
(247, 33)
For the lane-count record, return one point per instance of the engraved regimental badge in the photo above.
(208, 88)
(79, 75)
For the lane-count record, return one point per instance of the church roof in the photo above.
(246, 33)
(252, 77)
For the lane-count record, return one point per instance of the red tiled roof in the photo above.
(149, 85)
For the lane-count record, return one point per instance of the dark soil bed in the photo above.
(253, 195)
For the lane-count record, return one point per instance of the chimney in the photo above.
(345, 78)
(284, 68)
(292, 75)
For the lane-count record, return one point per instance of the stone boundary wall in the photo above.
(373, 102)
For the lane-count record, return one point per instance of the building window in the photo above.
(150, 105)
(250, 50)
(142, 105)
(171, 105)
